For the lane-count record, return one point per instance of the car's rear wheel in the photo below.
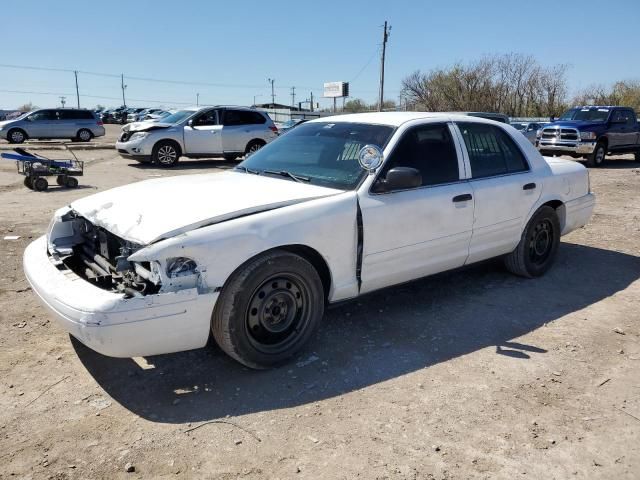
(16, 135)
(253, 146)
(84, 135)
(28, 183)
(596, 159)
(538, 245)
(231, 157)
(71, 182)
(268, 309)
(165, 153)
(637, 156)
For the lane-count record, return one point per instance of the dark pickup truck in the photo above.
(592, 132)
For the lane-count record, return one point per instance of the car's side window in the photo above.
(207, 119)
(430, 150)
(491, 150)
(251, 118)
(233, 118)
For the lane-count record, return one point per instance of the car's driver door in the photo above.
(416, 232)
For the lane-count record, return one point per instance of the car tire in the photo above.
(229, 157)
(16, 135)
(40, 184)
(538, 245)
(28, 183)
(60, 180)
(268, 309)
(596, 159)
(165, 153)
(84, 135)
(253, 146)
(71, 182)
(637, 156)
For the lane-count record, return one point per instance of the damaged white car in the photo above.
(336, 208)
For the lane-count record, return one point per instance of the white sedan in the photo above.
(337, 208)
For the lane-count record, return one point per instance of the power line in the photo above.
(58, 94)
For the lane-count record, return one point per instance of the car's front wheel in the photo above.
(538, 245)
(165, 153)
(268, 309)
(16, 136)
(596, 159)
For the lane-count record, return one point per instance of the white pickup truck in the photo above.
(337, 208)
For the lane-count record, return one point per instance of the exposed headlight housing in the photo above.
(587, 135)
(181, 267)
(138, 136)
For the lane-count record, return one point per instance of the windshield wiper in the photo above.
(285, 173)
(246, 170)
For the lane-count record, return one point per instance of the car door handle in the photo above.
(462, 198)
(529, 186)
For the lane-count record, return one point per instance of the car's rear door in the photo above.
(420, 231)
(237, 130)
(203, 136)
(504, 188)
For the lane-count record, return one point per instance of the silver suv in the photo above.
(75, 124)
(196, 133)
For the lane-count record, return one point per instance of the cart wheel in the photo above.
(27, 182)
(61, 180)
(71, 182)
(40, 184)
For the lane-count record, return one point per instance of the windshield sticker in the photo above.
(603, 109)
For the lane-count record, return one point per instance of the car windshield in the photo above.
(586, 114)
(178, 116)
(323, 153)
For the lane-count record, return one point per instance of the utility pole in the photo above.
(75, 72)
(197, 99)
(273, 94)
(123, 86)
(385, 37)
(63, 100)
(293, 96)
(311, 102)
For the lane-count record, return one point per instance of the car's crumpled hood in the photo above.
(152, 210)
(144, 126)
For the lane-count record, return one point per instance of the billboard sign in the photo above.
(336, 89)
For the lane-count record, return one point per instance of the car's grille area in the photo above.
(560, 134)
(101, 259)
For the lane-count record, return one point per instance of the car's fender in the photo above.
(326, 225)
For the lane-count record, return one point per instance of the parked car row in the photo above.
(123, 115)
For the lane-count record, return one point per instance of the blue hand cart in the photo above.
(36, 167)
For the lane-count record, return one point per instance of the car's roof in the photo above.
(395, 119)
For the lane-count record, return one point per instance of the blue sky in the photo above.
(239, 44)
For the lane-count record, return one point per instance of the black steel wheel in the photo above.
(28, 183)
(40, 184)
(268, 309)
(71, 182)
(61, 180)
(538, 245)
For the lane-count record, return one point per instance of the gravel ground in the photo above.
(468, 374)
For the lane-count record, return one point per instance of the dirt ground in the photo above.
(470, 374)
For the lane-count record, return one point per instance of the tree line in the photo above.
(513, 84)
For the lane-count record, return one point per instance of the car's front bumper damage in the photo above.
(112, 324)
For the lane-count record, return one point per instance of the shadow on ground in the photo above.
(376, 338)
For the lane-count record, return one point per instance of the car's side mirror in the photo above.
(190, 123)
(402, 178)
